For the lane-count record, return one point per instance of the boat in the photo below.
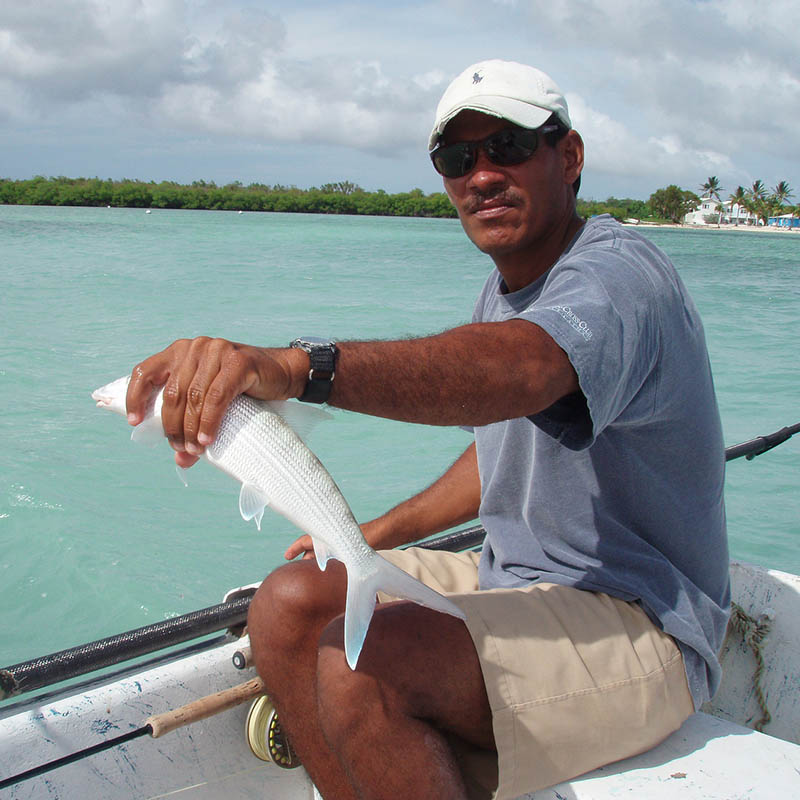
(177, 708)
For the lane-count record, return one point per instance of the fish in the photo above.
(260, 444)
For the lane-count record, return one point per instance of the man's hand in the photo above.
(302, 546)
(201, 377)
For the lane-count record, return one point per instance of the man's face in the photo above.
(506, 211)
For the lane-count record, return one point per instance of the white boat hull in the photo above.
(208, 759)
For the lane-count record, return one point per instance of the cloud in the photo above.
(336, 101)
(711, 72)
(217, 73)
(612, 149)
(662, 91)
(235, 50)
(130, 48)
(60, 56)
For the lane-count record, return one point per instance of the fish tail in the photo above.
(361, 597)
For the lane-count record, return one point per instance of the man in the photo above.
(597, 607)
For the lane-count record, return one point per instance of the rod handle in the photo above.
(204, 707)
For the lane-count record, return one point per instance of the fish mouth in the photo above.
(109, 395)
(102, 400)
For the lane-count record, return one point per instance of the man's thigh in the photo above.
(575, 679)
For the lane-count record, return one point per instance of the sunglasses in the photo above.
(504, 148)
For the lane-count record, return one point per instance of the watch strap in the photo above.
(322, 368)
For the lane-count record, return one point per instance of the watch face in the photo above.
(313, 340)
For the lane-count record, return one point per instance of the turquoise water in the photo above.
(98, 535)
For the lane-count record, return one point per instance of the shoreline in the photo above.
(715, 228)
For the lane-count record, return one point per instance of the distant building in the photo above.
(707, 213)
(785, 221)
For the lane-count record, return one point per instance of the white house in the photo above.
(707, 213)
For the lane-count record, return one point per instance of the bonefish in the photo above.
(259, 445)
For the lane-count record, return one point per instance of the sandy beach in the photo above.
(713, 228)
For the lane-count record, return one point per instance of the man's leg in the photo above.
(287, 615)
(418, 676)
(374, 732)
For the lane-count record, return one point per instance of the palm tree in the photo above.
(758, 191)
(737, 199)
(781, 193)
(751, 205)
(756, 201)
(712, 187)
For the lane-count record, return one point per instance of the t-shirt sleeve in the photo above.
(601, 311)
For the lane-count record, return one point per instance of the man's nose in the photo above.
(485, 175)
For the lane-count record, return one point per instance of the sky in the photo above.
(312, 92)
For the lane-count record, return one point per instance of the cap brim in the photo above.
(520, 113)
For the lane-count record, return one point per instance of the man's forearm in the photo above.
(451, 500)
(472, 375)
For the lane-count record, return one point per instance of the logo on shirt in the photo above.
(574, 320)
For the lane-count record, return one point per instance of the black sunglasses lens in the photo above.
(505, 149)
(511, 147)
(455, 160)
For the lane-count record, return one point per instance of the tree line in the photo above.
(336, 198)
(343, 197)
(669, 204)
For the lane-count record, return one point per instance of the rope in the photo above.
(753, 633)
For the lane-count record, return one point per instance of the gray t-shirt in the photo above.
(618, 488)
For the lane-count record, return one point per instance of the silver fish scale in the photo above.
(255, 445)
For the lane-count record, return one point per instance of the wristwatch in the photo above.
(322, 354)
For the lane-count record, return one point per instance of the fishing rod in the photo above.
(155, 726)
(761, 444)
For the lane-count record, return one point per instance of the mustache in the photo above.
(507, 196)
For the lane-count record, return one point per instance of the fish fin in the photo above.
(300, 417)
(358, 610)
(321, 552)
(383, 575)
(394, 581)
(252, 502)
(149, 432)
(181, 473)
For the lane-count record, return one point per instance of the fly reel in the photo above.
(265, 736)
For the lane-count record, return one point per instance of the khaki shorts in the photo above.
(575, 679)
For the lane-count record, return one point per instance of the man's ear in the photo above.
(571, 147)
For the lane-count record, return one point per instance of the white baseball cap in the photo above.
(521, 94)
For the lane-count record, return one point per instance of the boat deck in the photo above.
(707, 758)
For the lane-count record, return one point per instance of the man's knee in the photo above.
(293, 600)
(389, 667)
